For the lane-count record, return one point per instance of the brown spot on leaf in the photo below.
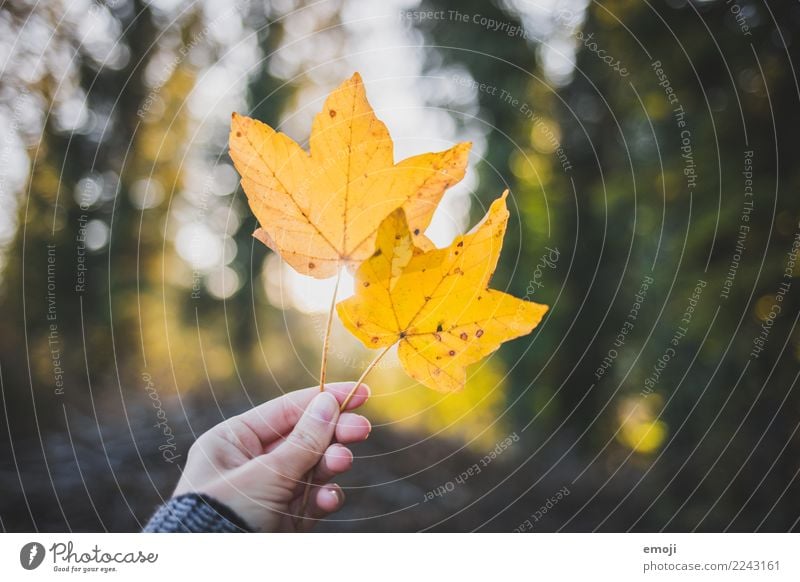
(460, 243)
(378, 253)
(438, 337)
(439, 327)
(311, 265)
(416, 231)
(402, 334)
(375, 339)
(366, 283)
(332, 113)
(452, 352)
(458, 271)
(479, 333)
(464, 335)
(238, 134)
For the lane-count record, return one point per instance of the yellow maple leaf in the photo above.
(321, 210)
(436, 303)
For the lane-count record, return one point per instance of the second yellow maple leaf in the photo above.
(436, 303)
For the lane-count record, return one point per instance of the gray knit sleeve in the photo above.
(195, 513)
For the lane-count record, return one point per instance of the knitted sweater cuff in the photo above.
(195, 513)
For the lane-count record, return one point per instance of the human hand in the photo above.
(256, 462)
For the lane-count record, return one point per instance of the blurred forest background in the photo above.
(648, 149)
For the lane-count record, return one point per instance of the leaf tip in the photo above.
(237, 124)
(261, 235)
(500, 206)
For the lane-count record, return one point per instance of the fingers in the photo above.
(336, 460)
(342, 389)
(275, 418)
(352, 428)
(324, 500)
(309, 439)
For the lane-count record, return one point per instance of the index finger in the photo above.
(276, 418)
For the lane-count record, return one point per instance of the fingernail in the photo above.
(343, 451)
(334, 494)
(324, 406)
(340, 449)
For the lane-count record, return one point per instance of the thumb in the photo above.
(312, 434)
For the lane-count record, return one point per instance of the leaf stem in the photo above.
(326, 340)
(301, 517)
(369, 368)
(322, 373)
